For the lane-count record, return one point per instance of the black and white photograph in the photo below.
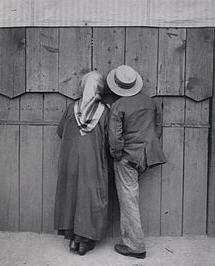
(107, 133)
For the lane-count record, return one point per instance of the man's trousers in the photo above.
(126, 179)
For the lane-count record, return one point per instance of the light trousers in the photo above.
(127, 185)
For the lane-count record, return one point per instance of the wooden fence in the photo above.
(40, 69)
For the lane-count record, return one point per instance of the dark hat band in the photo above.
(124, 85)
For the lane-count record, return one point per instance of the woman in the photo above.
(82, 188)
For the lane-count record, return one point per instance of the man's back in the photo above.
(134, 119)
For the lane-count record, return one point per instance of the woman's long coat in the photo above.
(82, 188)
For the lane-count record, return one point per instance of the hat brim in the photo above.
(124, 92)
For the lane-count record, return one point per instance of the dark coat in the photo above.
(132, 131)
(82, 188)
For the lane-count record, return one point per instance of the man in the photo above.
(135, 146)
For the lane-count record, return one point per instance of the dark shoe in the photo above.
(73, 246)
(124, 250)
(84, 247)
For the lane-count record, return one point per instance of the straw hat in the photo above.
(124, 81)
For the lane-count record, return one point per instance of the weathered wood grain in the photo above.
(108, 48)
(195, 181)
(195, 168)
(171, 61)
(30, 178)
(74, 59)
(173, 110)
(165, 13)
(42, 59)
(9, 178)
(172, 178)
(150, 193)
(199, 63)
(31, 107)
(211, 169)
(172, 171)
(31, 163)
(54, 106)
(12, 61)
(9, 108)
(141, 54)
(50, 165)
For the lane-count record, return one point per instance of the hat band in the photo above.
(124, 85)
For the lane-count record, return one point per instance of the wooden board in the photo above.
(50, 165)
(9, 178)
(199, 63)
(196, 167)
(74, 59)
(211, 169)
(30, 178)
(54, 106)
(31, 163)
(164, 13)
(195, 181)
(9, 108)
(171, 61)
(108, 48)
(42, 59)
(12, 62)
(172, 171)
(172, 179)
(141, 54)
(150, 193)
(31, 107)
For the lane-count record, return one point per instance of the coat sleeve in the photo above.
(61, 124)
(115, 133)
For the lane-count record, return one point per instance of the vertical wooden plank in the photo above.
(172, 177)
(54, 106)
(211, 175)
(50, 163)
(171, 61)
(9, 108)
(199, 63)
(9, 177)
(31, 107)
(172, 171)
(141, 54)
(150, 185)
(74, 59)
(12, 61)
(30, 178)
(42, 59)
(196, 167)
(31, 163)
(195, 181)
(108, 51)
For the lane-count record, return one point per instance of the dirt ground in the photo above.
(52, 250)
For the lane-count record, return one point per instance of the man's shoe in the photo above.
(124, 250)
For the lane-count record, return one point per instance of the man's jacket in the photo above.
(132, 131)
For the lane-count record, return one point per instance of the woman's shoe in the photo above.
(84, 247)
(73, 246)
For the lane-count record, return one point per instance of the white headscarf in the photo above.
(88, 109)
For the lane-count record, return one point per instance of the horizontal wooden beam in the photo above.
(156, 13)
(55, 123)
